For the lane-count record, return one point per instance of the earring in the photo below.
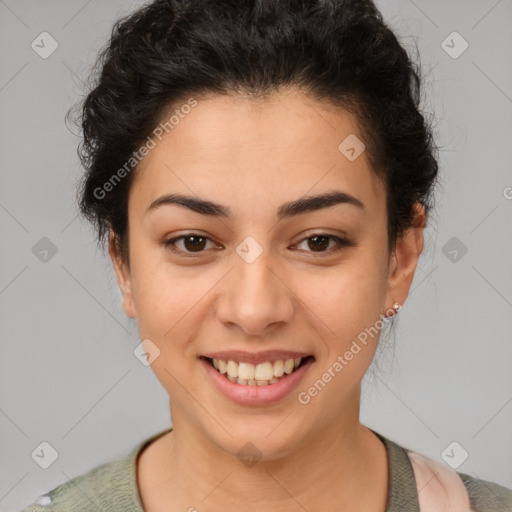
(396, 307)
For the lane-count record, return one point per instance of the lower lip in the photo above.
(256, 395)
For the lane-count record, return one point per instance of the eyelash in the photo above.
(342, 242)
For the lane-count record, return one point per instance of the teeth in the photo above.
(288, 366)
(261, 374)
(223, 365)
(263, 371)
(233, 369)
(245, 371)
(278, 368)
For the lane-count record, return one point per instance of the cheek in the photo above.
(351, 295)
(172, 304)
(165, 307)
(165, 294)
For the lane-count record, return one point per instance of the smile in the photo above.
(262, 374)
(256, 379)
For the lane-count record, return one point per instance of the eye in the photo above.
(320, 241)
(192, 243)
(196, 243)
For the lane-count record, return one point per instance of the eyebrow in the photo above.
(302, 205)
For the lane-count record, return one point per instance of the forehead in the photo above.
(254, 151)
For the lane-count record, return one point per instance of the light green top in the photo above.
(112, 487)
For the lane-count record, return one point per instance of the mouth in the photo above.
(265, 373)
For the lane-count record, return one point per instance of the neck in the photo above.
(343, 466)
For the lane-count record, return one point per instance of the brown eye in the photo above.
(319, 242)
(194, 243)
(191, 243)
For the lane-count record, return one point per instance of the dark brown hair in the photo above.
(340, 51)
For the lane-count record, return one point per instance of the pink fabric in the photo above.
(440, 488)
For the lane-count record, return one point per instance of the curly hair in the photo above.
(339, 51)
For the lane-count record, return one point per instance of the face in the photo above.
(259, 274)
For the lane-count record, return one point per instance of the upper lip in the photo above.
(255, 357)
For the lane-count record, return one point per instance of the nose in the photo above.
(255, 296)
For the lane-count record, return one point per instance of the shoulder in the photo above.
(106, 487)
(111, 486)
(419, 483)
(487, 496)
(442, 488)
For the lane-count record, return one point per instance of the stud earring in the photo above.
(396, 307)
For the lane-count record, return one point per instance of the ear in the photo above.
(123, 276)
(405, 259)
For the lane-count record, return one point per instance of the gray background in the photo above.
(68, 375)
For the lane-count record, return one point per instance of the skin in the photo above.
(252, 156)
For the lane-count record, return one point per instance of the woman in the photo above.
(264, 177)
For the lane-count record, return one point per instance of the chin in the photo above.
(259, 438)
